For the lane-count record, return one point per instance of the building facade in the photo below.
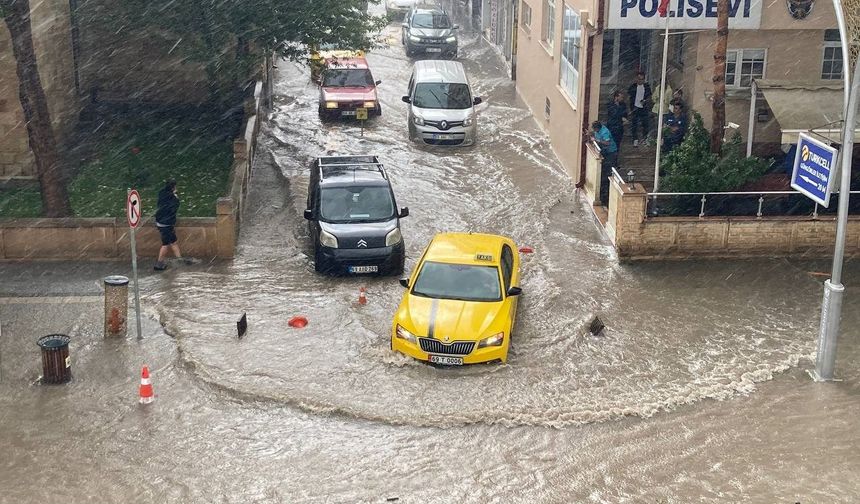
(572, 54)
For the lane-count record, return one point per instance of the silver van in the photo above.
(441, 105)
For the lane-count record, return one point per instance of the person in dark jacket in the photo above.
(616, 117)
(165, 221)
(640, 107)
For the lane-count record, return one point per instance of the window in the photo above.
(831, 65)
(526, 17)
(548, 27)
(507, 266)
(439, 95)
(463, 282)
(570, 49)
(744, 65)
(677, 49)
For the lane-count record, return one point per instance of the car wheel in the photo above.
(378, 111)
(319, 267)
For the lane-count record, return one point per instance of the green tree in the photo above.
(231, 37)
(692, 167)
(31, 93)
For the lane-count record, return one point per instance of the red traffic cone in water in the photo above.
(526, 250)
(298, 322)
(145, 386)
(362, 296)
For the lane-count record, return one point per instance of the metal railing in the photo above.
(714, 195)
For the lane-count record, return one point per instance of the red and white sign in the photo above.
(132, 208)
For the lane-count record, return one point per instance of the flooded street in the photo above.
(696, 392)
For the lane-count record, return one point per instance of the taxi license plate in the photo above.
(437, 136)
(363, 269)
(348, 113)
(434, 49)
(444, 359)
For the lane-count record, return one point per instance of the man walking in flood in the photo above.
(640, 107)
(165, 221)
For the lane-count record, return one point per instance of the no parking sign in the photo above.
(132, 208)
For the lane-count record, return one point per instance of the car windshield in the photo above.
(347, 77)
(439, 95)
(428, 20)
(342, 205)
(458, 281)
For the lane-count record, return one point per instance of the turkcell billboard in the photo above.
(683, 14)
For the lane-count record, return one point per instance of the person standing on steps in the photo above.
(165, 221)
(609, 152)
(616, 117)
(640, 98)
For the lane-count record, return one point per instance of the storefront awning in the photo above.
(804, 107)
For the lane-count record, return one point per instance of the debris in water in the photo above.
(596, 326)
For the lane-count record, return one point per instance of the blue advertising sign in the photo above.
(814, 169)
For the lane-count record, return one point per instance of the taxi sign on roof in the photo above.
(483, 257)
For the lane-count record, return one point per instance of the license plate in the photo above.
(363, 269)
(434, 49)
(444, 359)
(437, 136)
(348, 113)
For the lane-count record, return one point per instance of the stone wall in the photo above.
(637, 236)
(52, 40)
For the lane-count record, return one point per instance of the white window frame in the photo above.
(568, 79)
(526, 16)
(548, 23)
(739, 58)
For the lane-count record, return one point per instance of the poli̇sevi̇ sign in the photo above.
(684, 14)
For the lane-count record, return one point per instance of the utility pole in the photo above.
(831, 306)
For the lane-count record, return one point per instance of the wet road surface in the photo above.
(696, 392)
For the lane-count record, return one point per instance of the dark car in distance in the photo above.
(353, 217)
(429, 30)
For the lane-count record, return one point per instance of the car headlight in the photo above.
(393, 238)
(469, 121)
(451, 39)
(328, 240)
(413, 38)
(403, 334)
(418, 120)
(369, 104)
(494, 340)
(331, 104)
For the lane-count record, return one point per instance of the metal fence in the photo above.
(740, 203)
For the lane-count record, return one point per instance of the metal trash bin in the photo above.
(56, 363)
(116, 306)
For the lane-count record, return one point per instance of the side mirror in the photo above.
(514, 291)
(406, 99)
(478, 100)
(404, 212)
(404, 282)
(378, 82)
(309, 214)
(404, 25)
(455, 27)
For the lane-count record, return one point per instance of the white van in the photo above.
(441, 105)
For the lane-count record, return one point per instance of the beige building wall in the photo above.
(52, 41)
(538, 80)
(795, 49)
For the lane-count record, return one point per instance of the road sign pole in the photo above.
(831, 307)
(134, 274)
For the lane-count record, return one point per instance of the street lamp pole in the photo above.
(831, 306)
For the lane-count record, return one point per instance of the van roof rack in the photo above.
(340, 164)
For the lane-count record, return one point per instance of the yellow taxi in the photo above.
(461, 301)
(318, 57)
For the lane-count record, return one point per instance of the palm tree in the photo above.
(719, 105)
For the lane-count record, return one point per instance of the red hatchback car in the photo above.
(347, 85)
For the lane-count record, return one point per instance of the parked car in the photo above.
(429, 30)
(460, 305)
(347, 85)
(441, 105)
(319, 56)
(353, 217)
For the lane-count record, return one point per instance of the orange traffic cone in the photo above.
(362, 296)
(145, 386)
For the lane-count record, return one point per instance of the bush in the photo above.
(691, 167)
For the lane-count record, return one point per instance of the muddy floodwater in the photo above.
(697, 391)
